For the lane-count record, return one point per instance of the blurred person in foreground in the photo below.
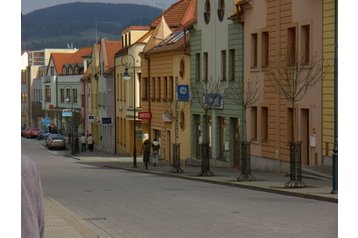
(32, 208)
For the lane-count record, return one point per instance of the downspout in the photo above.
(115, 105)
(149, 97)
(57, 116)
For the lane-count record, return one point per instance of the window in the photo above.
(182, 68)
(62, 95)
(64, 70)
(222, 137)
(265, 49)
(291, 45)
(153, 89)
(52, 70)
(47, 95)
(223, 65)
(264, 124)
(77, 71)
(254, 123)
(74, 93)
(254, 50)
(207, 11)
(197, 66)
(305, 44)
(23, 97)
(182, 120)
(232, 64)
(23, 76)
(165, 89)
(68, 94)
(206, 66)
(145, 90)
(221, 10)
(171, 91)
(159, 89)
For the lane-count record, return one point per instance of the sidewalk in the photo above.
(318, 184)
(60, 222)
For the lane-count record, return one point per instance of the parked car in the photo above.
(33, 133)
(56, 141)
(24, 131)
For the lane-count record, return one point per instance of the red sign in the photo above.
(144, 115)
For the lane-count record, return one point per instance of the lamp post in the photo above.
(127, 77)
(68, 99)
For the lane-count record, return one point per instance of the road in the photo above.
(118, 203)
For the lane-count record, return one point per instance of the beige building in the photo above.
(274, 31)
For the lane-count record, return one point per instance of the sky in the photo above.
(28, 6)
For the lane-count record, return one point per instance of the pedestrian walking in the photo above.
(83, 141)
(32, 208)
(155, 150)
(146, 152)
(90, 142)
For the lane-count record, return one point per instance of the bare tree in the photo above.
(292, 80)
(209, 95)
(246, 96)
(173, 109)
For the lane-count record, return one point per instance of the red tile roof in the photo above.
(112, 47)
(177, 13)
(61, 59)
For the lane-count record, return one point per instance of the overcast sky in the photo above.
(31, 5)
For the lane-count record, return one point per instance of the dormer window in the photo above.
(221, 10)
(70, 70)
(76, 69)
(207, 10)
(64, 70)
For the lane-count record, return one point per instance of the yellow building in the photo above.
(127, 92)
(164, 67)
(328, 83)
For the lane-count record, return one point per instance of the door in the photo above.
(305, 136)
(169, 147)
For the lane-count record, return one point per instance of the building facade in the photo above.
(216, 71)
(279, 36)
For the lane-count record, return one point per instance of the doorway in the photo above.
(305, 126)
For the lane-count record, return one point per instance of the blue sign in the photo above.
(66, 113)
(183, 93)
(46, 121)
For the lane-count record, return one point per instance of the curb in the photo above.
(232, 184)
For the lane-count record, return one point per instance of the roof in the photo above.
(178, 40)
(161, 32)
(61, 59)
(112, 47)
(177, 14)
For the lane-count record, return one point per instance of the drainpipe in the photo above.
(115, 105)
(335, 146)
(149, 98)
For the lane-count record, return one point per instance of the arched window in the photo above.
(207, 12)
(221, 10)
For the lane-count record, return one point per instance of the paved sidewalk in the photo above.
(318, 186)
(59, 222)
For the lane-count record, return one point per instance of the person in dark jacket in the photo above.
(146, 152)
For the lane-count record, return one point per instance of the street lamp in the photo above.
(127, 77)
(68, 99)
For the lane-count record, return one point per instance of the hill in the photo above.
(75, 23)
